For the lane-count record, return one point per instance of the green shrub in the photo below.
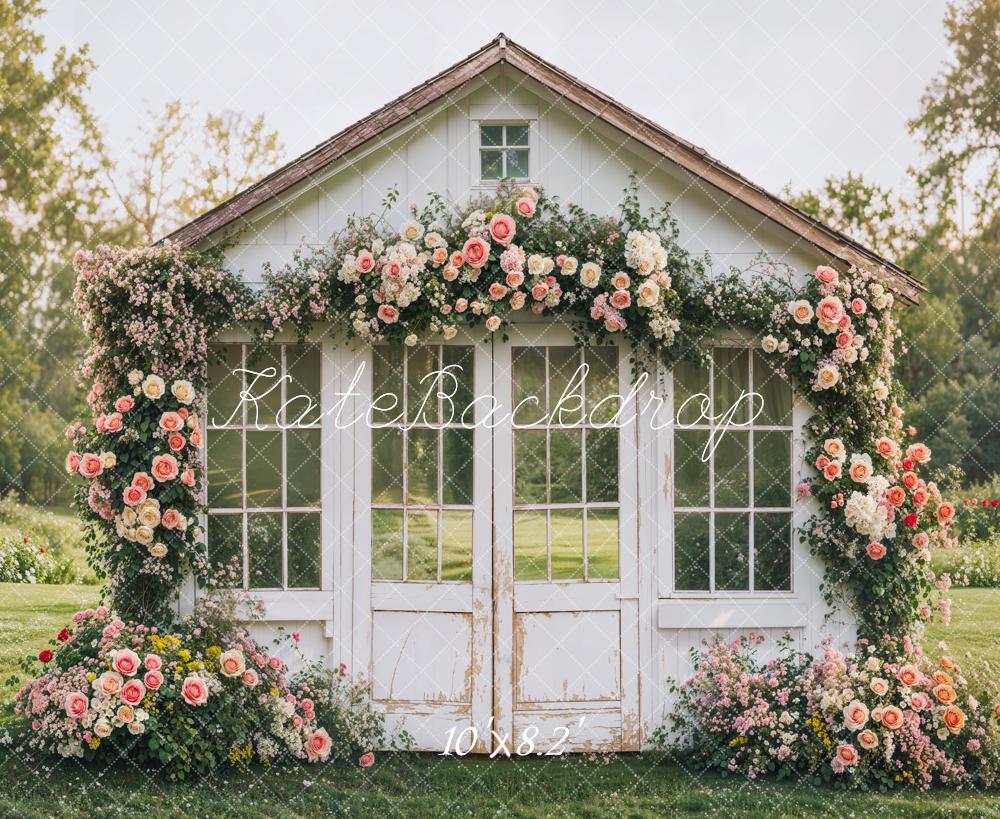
(59, 535)
(22, 561)
(975, 563)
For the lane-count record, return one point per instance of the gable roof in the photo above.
(501, 50)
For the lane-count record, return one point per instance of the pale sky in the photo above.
(782, 91)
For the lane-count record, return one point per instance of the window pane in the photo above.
(691, 403)
(732, 552)
(731, 380)
(224, 385)
(491, 135)
(772, 468)
(517, 164)
(491, 163)
(691, 551)
(690, 471)
(263, 469)
(461, 362)
(602, 465)
(387, 465)
(264, 542)
(732, 469)
(566, 453)
(567, 544)
(772, 568)
(529, 466)
(387, 544)
(225, 542)
(304, 551)
(456, 545)
(602, 543)
(225, 469)
(304, 367)
(303, 464)
(530, 558)
(422, 387)
(602, 384)
(517, 134)
(457, 458)
(263, 383)
(421, 545)
(528, 375)
(775, 391)
(563, 365)
(387, 384)
(422, 466)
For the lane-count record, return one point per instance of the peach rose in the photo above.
(124, 403)
(113, 422)
(232, 663)
(450, 273)
(879, 686)
(801, 311)
(827, 275)
(896, 496)
(909, 480)
(194, 690)
(497, 291)
(76, 704)
(868, 739)
(456, 259)
(892, 717)
(945, 512)
(476, 252)
(153, 679)
(858, 306)
(861, 468)
(944, 693)
(125, 662)
(187, 477)
(318, 745)
(164, 467)
(920, 496)
(886, 447)
(830, 310)
(108, 683)
(855, 715)
(827, 376)
(876, 551)
(941, 678)
(175, 441)
(250, 678)
(133, 495)
(133, 691)
(919, 452)
(621, 299)
(525, 207)
(502, 228)
(515, 278)
(834, 447)
(143, 481)
(947, 662)
(73, 462)
(832, 470)
(847, 754)
(908, 675)
(388, 314)
(493, 323)
(822, 462)
(91, 465)
(954, 718)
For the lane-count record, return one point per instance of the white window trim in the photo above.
(501, 114)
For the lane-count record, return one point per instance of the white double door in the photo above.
(496, 567)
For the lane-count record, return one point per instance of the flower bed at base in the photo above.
(883, 716)
(189, 698)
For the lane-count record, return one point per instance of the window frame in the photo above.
(503, 148)
(243, 426)
(793, 430)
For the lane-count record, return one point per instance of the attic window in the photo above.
(503, 150)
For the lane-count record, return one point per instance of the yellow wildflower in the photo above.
(184, 654)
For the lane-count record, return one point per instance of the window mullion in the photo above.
(751, 499)
(711, 475)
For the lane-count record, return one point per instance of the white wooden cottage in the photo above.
(462, 570)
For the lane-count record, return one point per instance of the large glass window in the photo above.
(565, 464)
(732, 486)
(503, 151)
(263, 463)
(422, 463)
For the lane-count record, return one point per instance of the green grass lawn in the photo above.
(428, 785)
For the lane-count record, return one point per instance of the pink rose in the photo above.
(830, 310)
(366, 760)
(388, 314)
(171, 519)
(124, 403)
(164, 467)
(274, 662)
(297, 721)
(194, 691)
(125, 662)
(827, 275)
(920, 701)
(187, 477)
(143, 481)
(502, 228)
(153, 679)
(476, 252)
(113, 423)
(133, 691)
(76, 704)
(171, 422)
(195, 438)
(858, 306)
(365, 262)
(91, 465)
(153, 662)
(517, 300)
(515, 278)
(497, 291)
(318, 745)
(133, 495)
(72, 462)
(876, 551)
(525, 207)
(847, 755)
(621, 299)
(108, 683)
(539, 292)
(250, 678)
(175, 441)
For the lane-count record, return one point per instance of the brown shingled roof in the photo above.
(692, 158)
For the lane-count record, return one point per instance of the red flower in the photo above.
(45, 655)
(63, 635)
(910, 520)
(995, 503)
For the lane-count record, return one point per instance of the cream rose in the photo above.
(153, 387)
(855, 715)
(590, 274)
(868, 739)
(232, 663)
(183, 391)
(861, 469)
(827, 376)
(801, 311)
(109, 683)
(411, 230)
(649, 293)
(769, 344)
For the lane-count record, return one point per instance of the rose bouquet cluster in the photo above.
(188, 698)
(883, 511)
(141, 465)
(885, 715)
